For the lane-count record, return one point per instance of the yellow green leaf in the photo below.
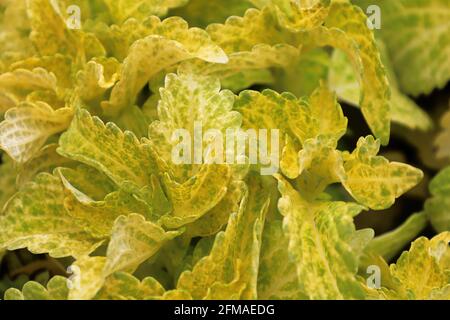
(120, 10)
(301, 15)
(133, 241)
(98, 76)
(201, 13)
(35, 218)
(423, 271)
(403, 110)
(443, 139)
(243, 33)
(374, 100)
(277, 278)
(22, 81)
(320, 165)
(339, 31)
(231, 268)
(27, 127)
(51, 35)
(438, 207)
(303, 74)
(416, 35)
(389, 244)
(319, 236)
(213, 221)
(87, 277)
(195, 186)
(14, 39)
(119, 155)
(58, 65)
(320, 115)
(374, 181)
(91, 201)
(46, 160)
(134, 120)
(124, 286)
(56, 290)
(7, 180)
(261, 56)
(165, 44)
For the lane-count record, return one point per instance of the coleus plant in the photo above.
(90, 106)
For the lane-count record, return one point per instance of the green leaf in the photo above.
(268, 109)
(186, 99)
(403, 110)
(97, 77)
(389, 244)
(443, 139)
(133, 241)
(416, 35)
(86, 183)
(201, 13)
(260, 57)
(230, 271)
(374, 181)
(165, 44)
(303, 75)
(243, 33)
(97, 216)
(197, 186)
(438, 207)
(87, 277)
(35, 218)
(58, 67)
(17, 84)
(51, 35)
(7, 180)
(319, 166)
(298, 16)
(124, 286)
(14, 39)
(46, 160)
(214, 220)
(374, 100)
(56, 290)
(273, 111)
(119, 155)
(322, 115)
(299, 121)
(245, 79)
(277, 277)
(121, 10)
(27, 127)
(422, 272)
(344, 28)
(134, 120)
(320, 236)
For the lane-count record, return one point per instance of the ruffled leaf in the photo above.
(374, 181)
(57, 289)
(27, 127)
(320, 243)
(35, 218)
(230, 271)
(416, 35)
(164, 44)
